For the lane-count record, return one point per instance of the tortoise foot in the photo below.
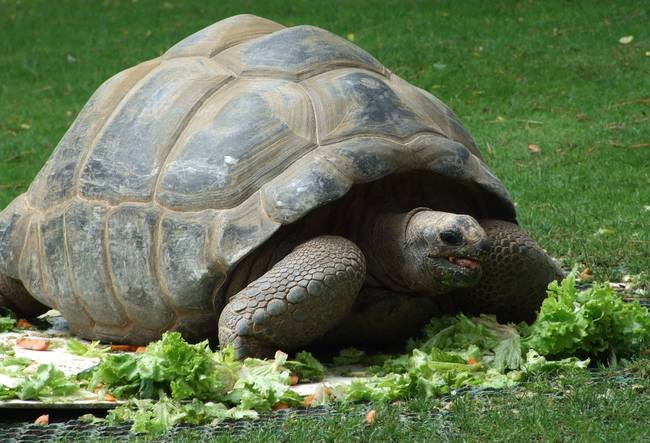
(297, 301)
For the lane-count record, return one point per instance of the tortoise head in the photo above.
(441, 251)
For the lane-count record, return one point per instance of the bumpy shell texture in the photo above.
(179, 167)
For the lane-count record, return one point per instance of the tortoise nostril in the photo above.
(451, 237)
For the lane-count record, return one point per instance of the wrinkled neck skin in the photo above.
(383, 242)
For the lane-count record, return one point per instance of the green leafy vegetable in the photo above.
(262, 385)
(349, 356)
(595, 322)
(93, 349)
(306, 367)
(157, 417)
(172, 367)
(47, 382)
(7, 323)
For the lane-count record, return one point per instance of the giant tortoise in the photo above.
(273, 187)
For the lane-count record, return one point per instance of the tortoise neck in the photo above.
(382, 241)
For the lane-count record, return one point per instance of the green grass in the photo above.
(549, 73)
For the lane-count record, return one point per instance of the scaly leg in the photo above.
(297, 301)
(15, 297)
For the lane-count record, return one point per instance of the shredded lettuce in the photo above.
(7, 323)
(306, 367)
(594, 323)
(157, 417)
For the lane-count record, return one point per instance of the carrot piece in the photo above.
(42, 420)
(471, 361)
(109, 397)
(140, 349)
(371, 416)
(124, 348)
(294, 380)
(24, 324)
(280, 405)
(33, 344)
(309, 400)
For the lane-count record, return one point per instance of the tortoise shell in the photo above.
(178, 168)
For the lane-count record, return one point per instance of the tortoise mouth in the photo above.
(464, 262)
(464, 270)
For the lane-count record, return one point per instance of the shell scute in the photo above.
(189, 273)
(133, 260)
(29, 267)
(124, 163)
(353, 102)
(297, 53)
(240, 230)
(85, 230)
(56, 182)
(367, 158)
(309, 183)
(225, 33)
(240, 140)
(56, 280)
(14, 222)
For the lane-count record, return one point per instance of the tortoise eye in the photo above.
(451, 237)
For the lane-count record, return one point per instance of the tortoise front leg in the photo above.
(297, 301)
(515, 276)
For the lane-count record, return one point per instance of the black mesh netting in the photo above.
(76, 430)
(79, 431)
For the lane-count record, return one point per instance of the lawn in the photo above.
(558, 105)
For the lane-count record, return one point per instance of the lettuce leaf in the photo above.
(306, 367)
(593, 323)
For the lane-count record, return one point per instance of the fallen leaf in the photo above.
(309, 400)
(439, 66)
(24, 324)
(640, 145)
(124, 348)
(626, 40)
(42, 420)
(350, 36)
(638, 388)
(25, 126)
(647, 53)
(605, 232)
(294, 380)
(582, 117)
(33, 344)
(534, 148)
(371, 416)
(280, 405)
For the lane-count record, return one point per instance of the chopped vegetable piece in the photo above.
(42, 420)
(33, 344)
